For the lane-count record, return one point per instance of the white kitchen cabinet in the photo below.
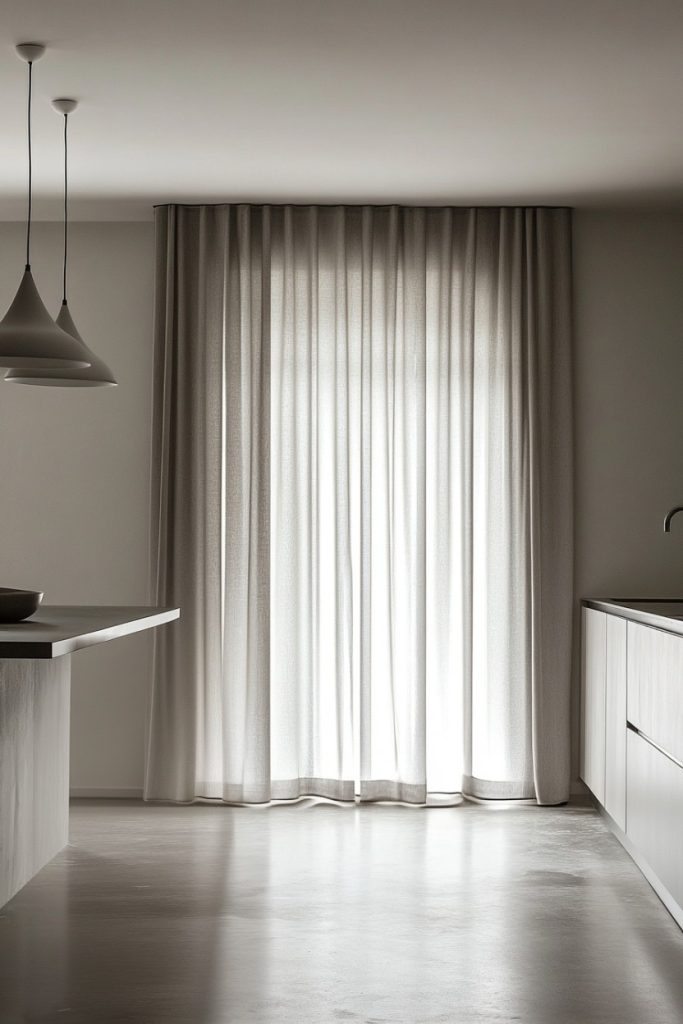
(615, 720)
(603, 702)
(655, 693)
(655, 819)
(632, 732)
(593, 692)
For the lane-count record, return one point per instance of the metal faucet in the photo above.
(669, 517)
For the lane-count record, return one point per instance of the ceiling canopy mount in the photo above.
(30, 52)
(64, 106)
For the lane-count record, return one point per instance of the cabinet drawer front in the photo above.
(654, 812)
(655, 686)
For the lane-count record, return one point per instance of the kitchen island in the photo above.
(35, 690)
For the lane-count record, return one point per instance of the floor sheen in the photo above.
(320, 913)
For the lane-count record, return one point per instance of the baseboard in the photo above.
(78, 793)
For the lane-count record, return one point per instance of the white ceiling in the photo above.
(434, 101)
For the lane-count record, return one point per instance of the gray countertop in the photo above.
(62, 629)
(662, 613)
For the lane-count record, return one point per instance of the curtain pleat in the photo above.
(362, 503)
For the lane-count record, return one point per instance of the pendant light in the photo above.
(29, 337)
(97, 374)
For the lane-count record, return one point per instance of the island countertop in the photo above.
(662, 613)
(55, 630)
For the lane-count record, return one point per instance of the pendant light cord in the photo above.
(30, 171)
(66, 208)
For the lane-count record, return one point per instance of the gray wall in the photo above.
(629, 402)
(628, 277)
(74, 466)
(74, 480)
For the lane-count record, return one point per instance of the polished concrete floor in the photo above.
(319, 913)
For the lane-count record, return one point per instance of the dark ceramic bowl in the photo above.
(17, 605)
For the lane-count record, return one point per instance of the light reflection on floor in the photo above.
(320, 913)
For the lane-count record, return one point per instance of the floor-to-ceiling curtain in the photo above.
(362, 502)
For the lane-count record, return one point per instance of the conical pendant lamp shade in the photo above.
(96, 375)
(30, 338)
(88, 371)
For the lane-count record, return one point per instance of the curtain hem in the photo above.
(489, 789)
(340, 791)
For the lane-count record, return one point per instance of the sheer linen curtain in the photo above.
(362, 503)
